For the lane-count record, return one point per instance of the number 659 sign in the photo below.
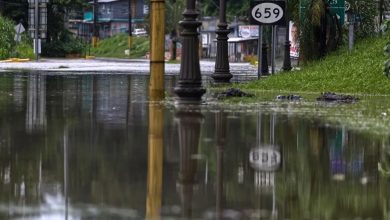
(268, 13)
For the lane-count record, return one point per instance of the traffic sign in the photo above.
(268, 13)
(265, 158)
(19, 29)
(336, 7)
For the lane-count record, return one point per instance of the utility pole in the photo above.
(95, 36)
(157, 48)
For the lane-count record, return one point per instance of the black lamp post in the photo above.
(287, 45)
(222, 73)
(189, 87)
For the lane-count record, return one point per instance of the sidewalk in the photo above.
(113, 65)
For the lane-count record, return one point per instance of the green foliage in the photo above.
(7, 42)
(174, 10)
(386, 50)
(368, 10)
(24, 48)
(65, 45)
(341, 71)
(115, 47)
(15, 10)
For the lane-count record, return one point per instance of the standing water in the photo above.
(93, 147)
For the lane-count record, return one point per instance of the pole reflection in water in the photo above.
(265, 160)
(155, 149)
(66, 141)
(155, 161)
(36, 103)
(189, 123)
(220, 124)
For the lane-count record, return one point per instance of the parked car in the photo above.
(139, 32)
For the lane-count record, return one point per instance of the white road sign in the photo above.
(268, 12)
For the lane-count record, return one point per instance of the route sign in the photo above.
(268, 13)
(265, 158)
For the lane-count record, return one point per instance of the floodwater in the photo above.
(93, 147)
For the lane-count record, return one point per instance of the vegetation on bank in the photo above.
(8, 46)
(117, 45)
(356, 72)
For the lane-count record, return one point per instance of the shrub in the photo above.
(7, 42)
(386, 50)
(66, 44)
(24, 48)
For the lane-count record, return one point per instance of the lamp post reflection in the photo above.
(189, 132)
(220, 126)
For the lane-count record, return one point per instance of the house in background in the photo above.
(113, 18)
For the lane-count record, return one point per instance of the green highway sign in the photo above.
(336, 7)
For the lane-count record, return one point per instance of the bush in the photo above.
(7, 42)
(65, 45)
(367, 10)
(24, 48)
(116, 45)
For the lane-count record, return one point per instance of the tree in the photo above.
(7, 42)
(15, 10)
(174, 10)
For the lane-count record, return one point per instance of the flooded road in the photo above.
(93, 147)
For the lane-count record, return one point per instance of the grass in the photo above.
(359, 73)
(115, 47)
(356, 72)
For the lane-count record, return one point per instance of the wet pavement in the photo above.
(107, 65)
(92, 146)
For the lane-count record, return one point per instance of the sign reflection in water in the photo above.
(91, 159)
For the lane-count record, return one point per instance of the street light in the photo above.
(189, 87)
(222, 73)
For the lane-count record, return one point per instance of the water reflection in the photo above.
(189, 123)
(93, 147)
(36, 101)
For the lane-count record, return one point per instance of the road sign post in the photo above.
(37, 22)
(268, 13)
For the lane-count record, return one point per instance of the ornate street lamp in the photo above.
(222, 73)
(189, 87)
